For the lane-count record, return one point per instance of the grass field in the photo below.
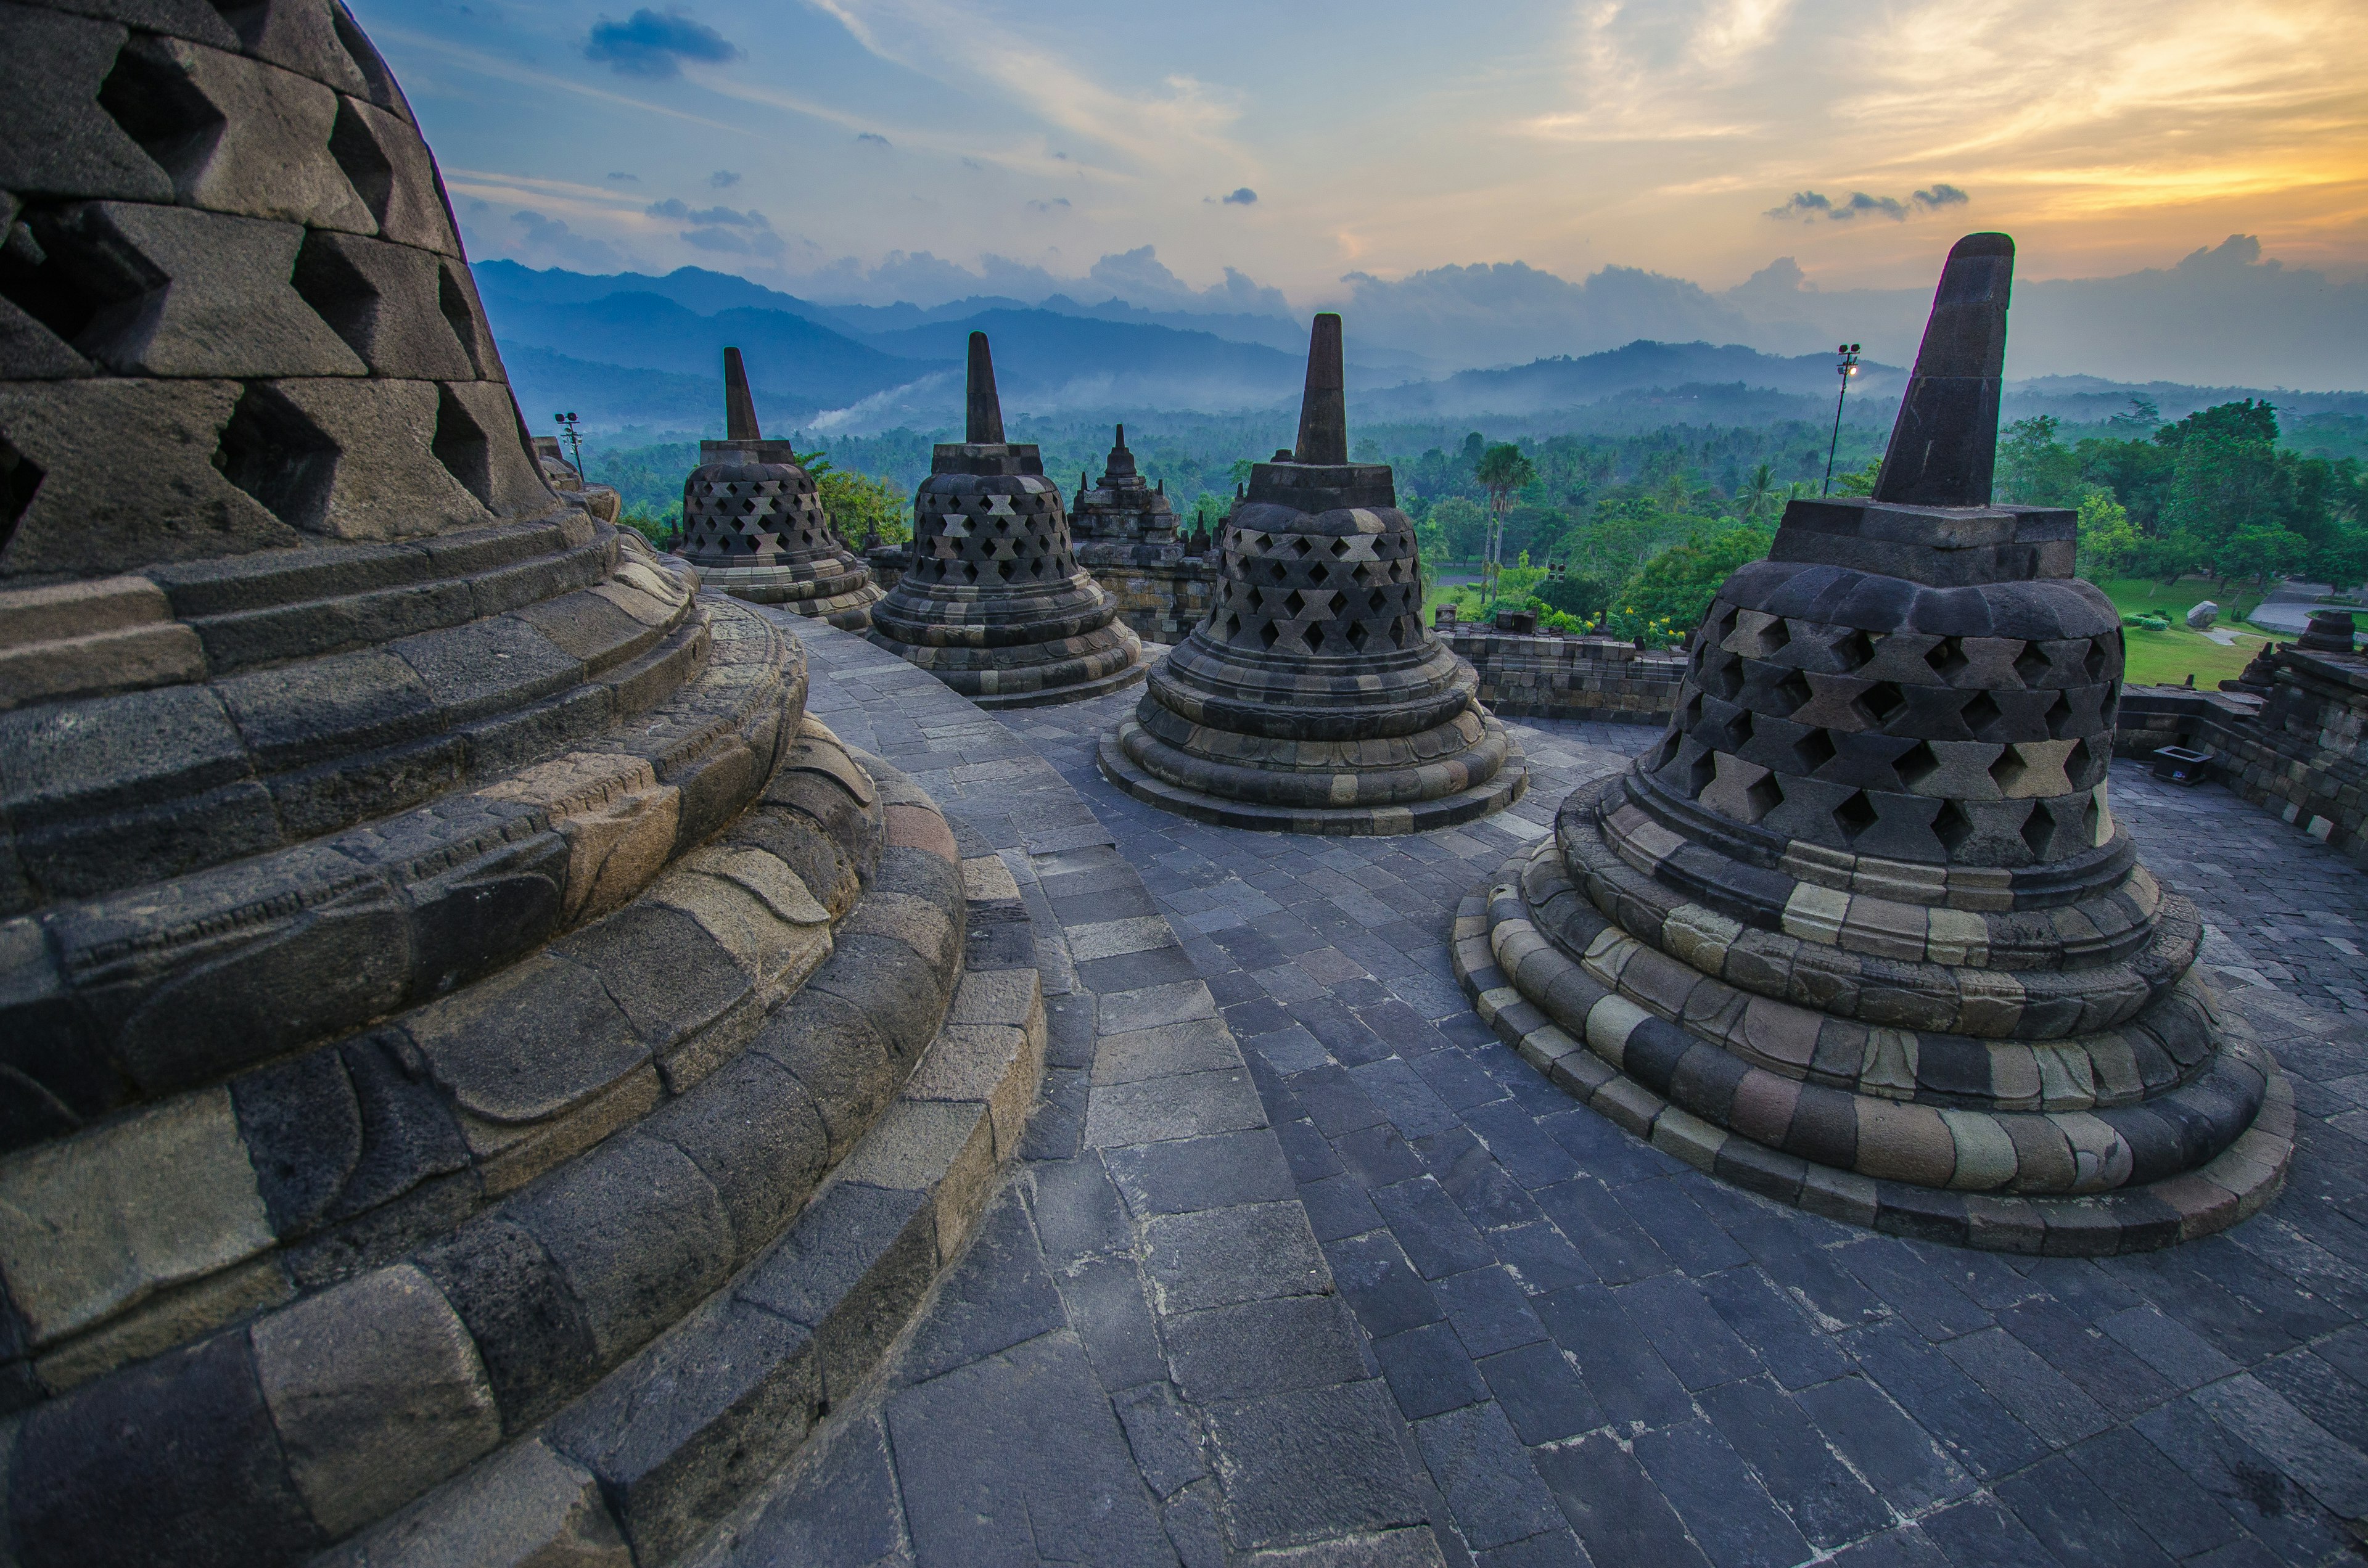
(2167, 658)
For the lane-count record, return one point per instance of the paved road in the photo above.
(1592, 1352)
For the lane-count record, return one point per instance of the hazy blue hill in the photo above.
(1545, 386)
(693, 288)
(610, 397)
(783, 351)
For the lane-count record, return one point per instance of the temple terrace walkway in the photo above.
(1404, 1302)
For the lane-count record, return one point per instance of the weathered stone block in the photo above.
(96, 1223)
(376, 1392)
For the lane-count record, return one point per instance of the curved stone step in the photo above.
(637, 1468)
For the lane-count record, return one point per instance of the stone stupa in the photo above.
(1312, 698)
(994, 602)
(443, 973)
(1123, 510)
(753, 523)
(1860, 932)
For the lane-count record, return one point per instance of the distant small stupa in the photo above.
(752, 522)
(1312, 698)
(995, 603)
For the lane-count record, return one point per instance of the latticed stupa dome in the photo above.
(993, 601)
(1311, 697)
(752, 522)
(439, 962)
(1860, 932)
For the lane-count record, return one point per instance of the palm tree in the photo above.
(1502, 470)
(1758, 493)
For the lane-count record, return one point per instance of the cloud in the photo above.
(724, 180)
(550, 239)
(680, 211)
(734, 241)
(1809, 206)
(1241, 198)
(874, 136)
(621, 177)
(1058, 202)
(1889, 206)
(653, 45)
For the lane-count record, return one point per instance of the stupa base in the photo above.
(849, 609)
(1587, 1062)
(1494, 794)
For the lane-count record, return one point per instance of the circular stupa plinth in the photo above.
(1312, 698)
(441, 964)
(753, 523)
(1860, 932)
(994, 602)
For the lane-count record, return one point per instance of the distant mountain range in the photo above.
(633, 350)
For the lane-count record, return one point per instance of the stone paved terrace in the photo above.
(1527, 1338)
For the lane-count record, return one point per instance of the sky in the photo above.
(1231, 155)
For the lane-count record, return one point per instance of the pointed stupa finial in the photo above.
(983, 426)
(1118, 469)
(1945, 444)
(739, 408)
(1323, 408)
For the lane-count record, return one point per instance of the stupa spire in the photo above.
(984, 425)
(1323, 408)
(1944, 443)
(739, 408)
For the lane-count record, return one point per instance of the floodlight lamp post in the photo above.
(1846, 370)
(575, 443)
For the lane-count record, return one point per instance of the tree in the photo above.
(858, 506)
(1674, 588)
(1456, 529)
(1501, 470)
(2035, 469)
(1859, 482)
(2107, 539)
(1757, 495)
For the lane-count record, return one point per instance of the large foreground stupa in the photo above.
(1860, 932)
(441, 963)
(753, 523)
(993, 601)
(1312, 698)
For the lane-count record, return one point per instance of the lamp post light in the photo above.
(1847, 368)
(575, 444)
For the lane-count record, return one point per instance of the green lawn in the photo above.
(2167, 658)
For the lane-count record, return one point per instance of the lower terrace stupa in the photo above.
(753, 523)
(1311, 697)
(441, 965)
(1860, 932)
(1125, 531)
(994, 602)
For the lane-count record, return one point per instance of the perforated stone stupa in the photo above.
(753, 523)
(1312, 698)
(440, 964)
(994, 602)
(1860, 933)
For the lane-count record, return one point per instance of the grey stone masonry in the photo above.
(438, 951)
(1861, 931)
(1311, 696)
(1608, 1356)
(1143, 1358)
(752, 522)
(991, 599)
